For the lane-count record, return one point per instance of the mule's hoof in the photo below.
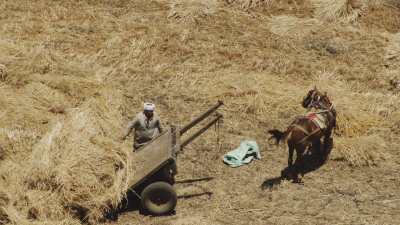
(298, 180)
(285, 173)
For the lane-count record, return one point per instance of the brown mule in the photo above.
(304, 133)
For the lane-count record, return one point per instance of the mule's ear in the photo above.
(326, 93)
(315, 87)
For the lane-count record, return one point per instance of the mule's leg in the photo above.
(287, 173)
(316, 148)
(327, 139)
(300, 149)
(298, 167)
(327, 146)
(291, 151)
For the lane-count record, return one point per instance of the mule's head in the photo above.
(316, 99)
(311, 97)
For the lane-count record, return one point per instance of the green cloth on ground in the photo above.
(244, 154)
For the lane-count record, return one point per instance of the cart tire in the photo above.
(159, 198)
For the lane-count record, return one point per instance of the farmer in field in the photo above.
(146, 124)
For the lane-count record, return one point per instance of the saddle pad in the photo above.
(318, 119)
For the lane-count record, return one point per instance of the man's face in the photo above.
(148, 114)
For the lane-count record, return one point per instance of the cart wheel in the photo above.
(159, 198)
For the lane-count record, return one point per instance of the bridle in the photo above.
(318, 103)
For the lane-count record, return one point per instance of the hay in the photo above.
(47, 98)
(4, 201)
(191, 11)
(391, 3)
(77, 169)
(249, 4)
(361, 151)
(21, 123)
(3, 73)
(357, 140)
(84, 143)
(290, 26)
(395, 83)
(392, 56)
(339, 10)
(74, 87)
(354, 119)
(351, 124)
(66, 166)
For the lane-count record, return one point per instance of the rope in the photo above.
(301, 128)
(308, 136)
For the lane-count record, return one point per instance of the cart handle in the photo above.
(200, 118)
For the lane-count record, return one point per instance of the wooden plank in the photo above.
(151, 156)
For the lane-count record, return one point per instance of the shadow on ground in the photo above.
(132, 201)
(311, 162)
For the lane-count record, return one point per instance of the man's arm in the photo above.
(132, 124)
(159, 126)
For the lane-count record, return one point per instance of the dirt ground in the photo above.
(334, 194)
(259, 57)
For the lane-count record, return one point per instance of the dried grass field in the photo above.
(73, 72)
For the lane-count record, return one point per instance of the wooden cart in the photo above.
(155, 165)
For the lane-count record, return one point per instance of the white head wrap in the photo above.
(149, 106)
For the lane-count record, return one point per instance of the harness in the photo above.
(317, 105)
(308, 134)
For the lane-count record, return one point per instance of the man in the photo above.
(146, 124)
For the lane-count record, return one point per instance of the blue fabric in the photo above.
(244, 154)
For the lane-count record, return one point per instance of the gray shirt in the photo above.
(145, 129)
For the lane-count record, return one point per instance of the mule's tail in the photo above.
(280, 136)
(277, 135)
